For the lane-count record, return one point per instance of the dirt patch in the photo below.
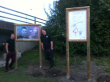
(55, 73)
(47, 73)
(37, 73)
(78, 73)
(103, 78)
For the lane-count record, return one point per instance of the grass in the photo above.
(32, 56)
(19, 75)
(29, 57)
(104, 61)
(61, 61)
(107, 69)
(77, 59)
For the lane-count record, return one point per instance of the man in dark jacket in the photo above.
(47, 46)
(10, 48)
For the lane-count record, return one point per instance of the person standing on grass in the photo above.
(10, 48)
(47, 46)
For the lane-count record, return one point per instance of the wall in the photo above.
(3, 37)
(6, 25)
(24, 46)
(21, 46)
(6, 28)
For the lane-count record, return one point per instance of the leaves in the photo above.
(99, 26)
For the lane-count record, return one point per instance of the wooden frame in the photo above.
(87, 8)
(38, 26)
(15, 32)
(82, 23)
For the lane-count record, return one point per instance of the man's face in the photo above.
(3, 43)
(43, 32)
(34, 31)
(24, 31)
(12, 36)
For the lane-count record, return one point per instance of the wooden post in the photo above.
(15, 31)
(67, 58)
(15, 49)
(87, 8)
(67, 45)
(40, 50)
(88, 43)
(40, 54)
(16, 56)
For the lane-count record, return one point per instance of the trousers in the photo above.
(11, 55)
(49, 56)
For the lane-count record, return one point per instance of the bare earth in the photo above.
(78, 73)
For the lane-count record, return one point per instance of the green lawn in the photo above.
(104, 61)
(32, 56)
(18, 75)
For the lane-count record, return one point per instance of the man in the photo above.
(34, 34)
(10, 48)
(23, 34)
(47, 46)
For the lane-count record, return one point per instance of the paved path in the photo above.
(2, 60)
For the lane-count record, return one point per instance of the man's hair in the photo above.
(43, 29)
(12, 33)
(23, 27)
(3, 42)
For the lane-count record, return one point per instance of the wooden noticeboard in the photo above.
(32, 32)
(78, 30)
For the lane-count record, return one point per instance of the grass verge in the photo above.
(19, 75)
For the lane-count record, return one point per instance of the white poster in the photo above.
(77, 24)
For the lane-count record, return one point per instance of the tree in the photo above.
(99, 26)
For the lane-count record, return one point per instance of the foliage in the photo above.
(99, 26)
(107, 69)
(105, 61)
(102, 61)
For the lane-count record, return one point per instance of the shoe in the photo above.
(11, 68)
(6, 71)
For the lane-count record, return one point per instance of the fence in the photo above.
(24, 46)
(10, 14)
(16, 16)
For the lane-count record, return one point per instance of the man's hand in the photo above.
(7, 47)
(7, 51)
(51, 45)
(42, 48)
(51, 48)
(17, 51)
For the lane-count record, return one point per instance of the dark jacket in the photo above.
(21, 37)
